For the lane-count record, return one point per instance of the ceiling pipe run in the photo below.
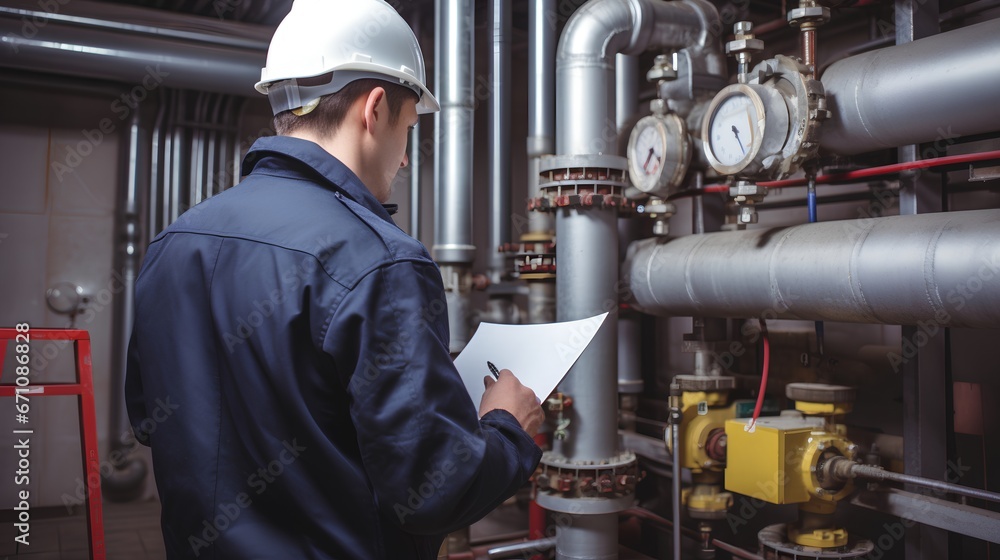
(928, 270)
(930, 90)
(145, 47)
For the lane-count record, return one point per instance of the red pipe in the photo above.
(536, 513)
(848, 176)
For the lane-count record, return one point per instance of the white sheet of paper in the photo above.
(539, 355)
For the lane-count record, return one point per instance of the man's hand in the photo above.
(508, 394)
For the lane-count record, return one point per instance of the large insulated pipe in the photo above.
(587, 250)
(928, 270)
(453, 248)
(932, 89)
(499, 129)
(151, 48)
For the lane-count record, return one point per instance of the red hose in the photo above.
(763, 377)
(856, 174)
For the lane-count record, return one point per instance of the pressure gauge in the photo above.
(734, 129)
(768, 127)
(658, 154)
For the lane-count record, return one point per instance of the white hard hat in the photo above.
(353, 39)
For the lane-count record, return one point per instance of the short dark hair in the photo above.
(332, 109)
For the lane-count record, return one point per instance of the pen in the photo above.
(493, 370)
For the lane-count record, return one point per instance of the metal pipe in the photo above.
(499, 131)
(588, 537)
(598, 31)
(930, 90)
(626, 90)
(868, 471)
(675, 466)
(587, 250)
(927, 510)
(541, 101)
(511, 550)
(453, 123)
(453, 248)
(414, 166)
(931, 270)
(155, 175)
(116, 43)
(176, 160)
(126, 476)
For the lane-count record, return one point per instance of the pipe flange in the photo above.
(597, 181)
(613, 480)
(821, 393)
(774, 544)
(705, 383)
(805, 100)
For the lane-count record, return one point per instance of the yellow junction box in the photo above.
(767, 464)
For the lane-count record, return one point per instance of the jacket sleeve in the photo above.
(434, 466)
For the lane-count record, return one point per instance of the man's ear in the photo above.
(374, 108)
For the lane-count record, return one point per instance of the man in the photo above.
(300, 339)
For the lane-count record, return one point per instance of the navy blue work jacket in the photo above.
(289, 368)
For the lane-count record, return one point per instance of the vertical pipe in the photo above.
(587, 252)
(453, 248)
(125, 478)
(585, 286)
(586, 538)
(196, 149)
(541, 99)
(924, 375)
(415, 155)
(675, 467)
(626, 89)
(454, 123)
(177, 132)
(134, 155)
(414, 166)
(499, 131)
(541, 137)
(155, 174)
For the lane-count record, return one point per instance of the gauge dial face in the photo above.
(733, 129)
(658, 153)
(648, 152)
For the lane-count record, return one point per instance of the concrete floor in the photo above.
(131, 532)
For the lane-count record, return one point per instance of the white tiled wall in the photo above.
(57, 228)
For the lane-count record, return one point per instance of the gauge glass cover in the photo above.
(733, 129)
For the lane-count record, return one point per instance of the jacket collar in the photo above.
(294, 157)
